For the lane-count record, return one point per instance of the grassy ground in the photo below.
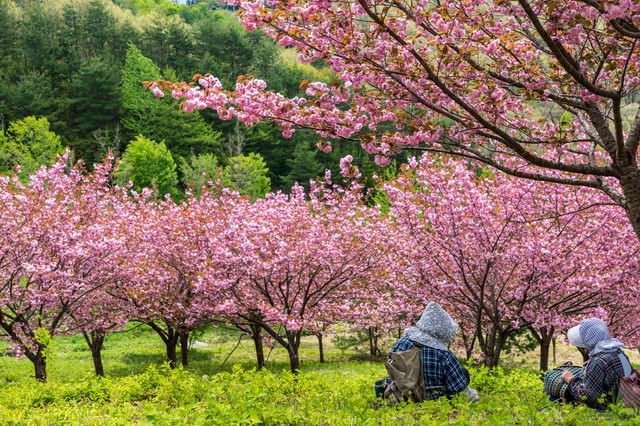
(139, 389)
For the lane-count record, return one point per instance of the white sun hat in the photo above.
(573, 335)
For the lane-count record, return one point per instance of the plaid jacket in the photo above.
(443, 374)
(601, 374)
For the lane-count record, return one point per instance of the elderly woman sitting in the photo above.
(443, 374)
(607, 364)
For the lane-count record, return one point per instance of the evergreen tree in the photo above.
(302, 166)
(184, 134)
(198, 171)
(247, 174)
(94, 105)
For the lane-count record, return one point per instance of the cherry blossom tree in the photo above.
(102, 312)
(56, 243)
(502, 253)
(389, 306)
(292, 262)
(168, 260)
(539, 89)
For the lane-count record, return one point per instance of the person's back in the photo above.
(607, 364)
(442, 372)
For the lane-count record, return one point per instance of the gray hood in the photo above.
(435, 328)
(608, 345)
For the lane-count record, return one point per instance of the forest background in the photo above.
(71, 75)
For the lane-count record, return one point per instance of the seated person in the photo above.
(443, 374)
(607, 364)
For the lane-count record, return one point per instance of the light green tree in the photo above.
(148, 164)
(247, 174)
(198, 171)
(29, 143)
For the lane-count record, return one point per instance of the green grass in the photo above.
(140, 389)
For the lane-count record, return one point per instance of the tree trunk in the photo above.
(492, 347)
(373, 341)
(294, 361)
(293, 340)
(40, 365)
(184, 347)
(630, 182)
(97, 342)
(172, 355)
(492, 358)
(544, 355)
(547, 335)
(497, 352)
(469, 344)
(170, 338)
(257, 341)
(320, 347)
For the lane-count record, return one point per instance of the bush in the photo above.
(338, 394)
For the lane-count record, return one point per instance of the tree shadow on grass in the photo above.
(365, 357)
(200, 362)
(135, 363)
(209, 362)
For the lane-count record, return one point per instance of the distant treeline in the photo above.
(81, 63)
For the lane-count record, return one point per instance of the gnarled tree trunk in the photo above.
(39, 361)
(293, 340)
(630, 182)
(544, 336)
(491, 344)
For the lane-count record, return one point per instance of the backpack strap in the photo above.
(417, 345)
(626, 365)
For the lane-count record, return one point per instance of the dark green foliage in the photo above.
(82, 63)
(303, 165)
(95, 105)
(33, 94)
(8, 35)
(162, 120)
(40, 49)
(170, 43)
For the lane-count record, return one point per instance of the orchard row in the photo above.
(503, 255)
